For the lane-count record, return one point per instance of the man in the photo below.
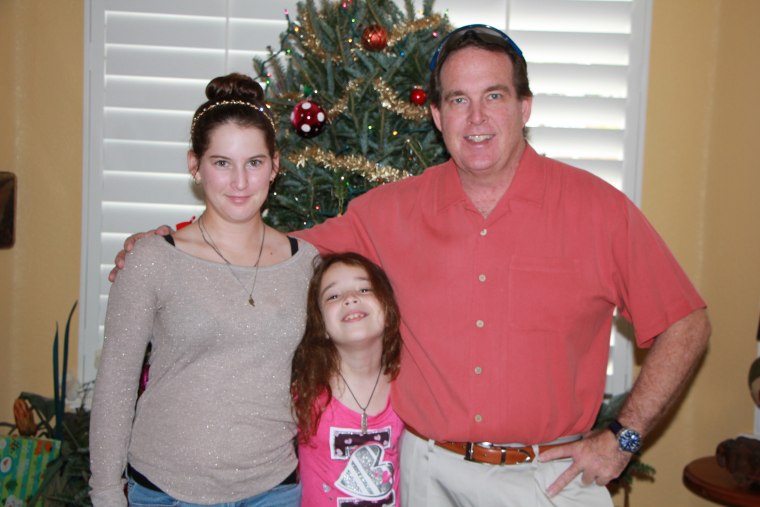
(508, 267)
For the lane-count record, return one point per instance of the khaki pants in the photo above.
(432, 476)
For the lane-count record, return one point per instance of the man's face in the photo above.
(480, 116)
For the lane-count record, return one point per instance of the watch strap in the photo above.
(614, 426)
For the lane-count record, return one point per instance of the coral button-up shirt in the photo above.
(507, 318)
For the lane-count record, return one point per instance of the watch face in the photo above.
(629, 440)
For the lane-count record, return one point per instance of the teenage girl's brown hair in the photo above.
(234, 98)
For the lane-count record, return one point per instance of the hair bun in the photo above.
(235, 86)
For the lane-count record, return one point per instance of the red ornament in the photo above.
(308, 118)
(418, 96)
(374, 38)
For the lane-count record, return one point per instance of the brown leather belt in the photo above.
(486, 452)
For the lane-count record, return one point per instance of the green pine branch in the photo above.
(321, 57)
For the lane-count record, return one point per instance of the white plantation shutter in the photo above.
(147, 62)
(579, 53)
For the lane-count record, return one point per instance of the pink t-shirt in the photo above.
(340, 467)
(506, 319)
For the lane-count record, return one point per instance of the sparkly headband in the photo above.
(211, 106)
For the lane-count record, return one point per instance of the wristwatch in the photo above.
(629, 440)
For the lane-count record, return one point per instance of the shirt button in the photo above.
(478, 418)
(480, 323)
(483, 232)
(482, 278)
(478, 370)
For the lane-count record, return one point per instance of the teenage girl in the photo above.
(222, 303)
(341, 380)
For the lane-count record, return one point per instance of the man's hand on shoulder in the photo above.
(597, 456)
(129, 244)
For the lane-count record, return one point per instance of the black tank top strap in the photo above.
(293, 245)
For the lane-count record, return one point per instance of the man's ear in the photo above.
(436, 114)
(527, 107)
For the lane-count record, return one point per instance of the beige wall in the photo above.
(701, 190)
(41, 57)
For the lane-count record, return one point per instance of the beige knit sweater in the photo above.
(214, 424)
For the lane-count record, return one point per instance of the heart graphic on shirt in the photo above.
(366, 475)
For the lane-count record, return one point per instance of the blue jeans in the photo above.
(284, 495)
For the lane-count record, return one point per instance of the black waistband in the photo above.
(145, 482)
(290, 479)
(141, 479)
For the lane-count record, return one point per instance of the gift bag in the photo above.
(22, 467)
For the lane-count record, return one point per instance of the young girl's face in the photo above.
(351, 311)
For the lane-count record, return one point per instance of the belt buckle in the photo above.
(469, 449)
(524, 455)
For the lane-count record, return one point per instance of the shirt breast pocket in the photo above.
(543, 293)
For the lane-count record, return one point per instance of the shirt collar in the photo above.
(527, 185)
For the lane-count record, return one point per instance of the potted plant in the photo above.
(65, 479)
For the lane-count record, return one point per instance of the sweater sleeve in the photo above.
(128, 328)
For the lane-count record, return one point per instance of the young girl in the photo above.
(222, 303)
(341, 375)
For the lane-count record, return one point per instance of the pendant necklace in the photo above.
(210, 242)
(364, 408)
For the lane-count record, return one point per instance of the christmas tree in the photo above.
(348, 85)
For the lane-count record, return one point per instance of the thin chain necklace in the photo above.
(210, 242)
(364, 408)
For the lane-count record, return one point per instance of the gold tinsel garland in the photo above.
(388, 100)
(391, 102)
(352, 163)
(311, 43)
(342, 103)
(412, 26)
(309, 40)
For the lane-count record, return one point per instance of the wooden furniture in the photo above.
(707, 479)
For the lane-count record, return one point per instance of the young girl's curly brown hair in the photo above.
(316, 359)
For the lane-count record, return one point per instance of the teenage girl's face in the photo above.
(352, 313)
(235, 172)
